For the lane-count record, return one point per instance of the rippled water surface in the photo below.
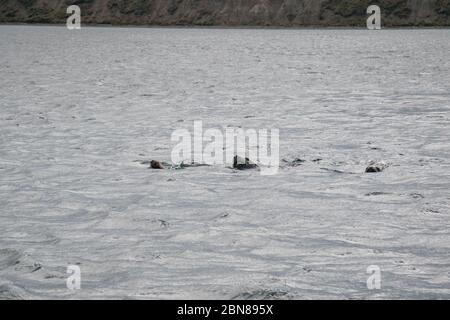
(78, 108)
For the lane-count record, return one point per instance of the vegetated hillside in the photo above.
(230, 12)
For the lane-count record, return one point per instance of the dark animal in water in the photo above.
(243, 164)
(156, 165)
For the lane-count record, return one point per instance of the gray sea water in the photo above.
(78, 108)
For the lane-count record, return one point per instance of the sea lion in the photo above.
(375, 167)
(156, 165)
(243, 164)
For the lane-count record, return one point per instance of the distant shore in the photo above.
(297, 14)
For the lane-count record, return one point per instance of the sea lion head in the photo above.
(156, 165)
